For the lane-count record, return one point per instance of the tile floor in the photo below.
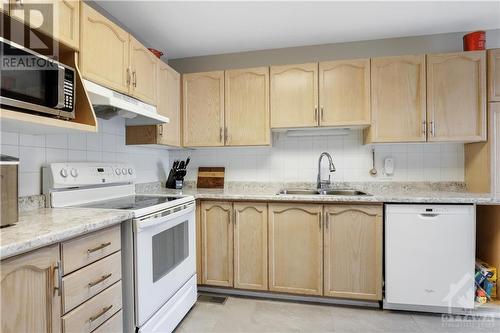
(252, 315)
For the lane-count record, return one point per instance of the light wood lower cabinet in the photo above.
(353, 251)
(30, 294)
(456, 96)
(250, 246)
(296, 248)
(217, 243)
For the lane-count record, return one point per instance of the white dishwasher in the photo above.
(429, 257)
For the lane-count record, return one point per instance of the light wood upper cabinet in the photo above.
(353, 251)
(217, 243)
(144, 71)
(296, 248)
(398, 99)
(104, 53)
(344, 92)
(30, 299)
(203, 109)
(294, 96)
(169, 104)
(495, 133)
(247, 107)
(57, 18)
(494, 75)
(456, 96)
(250, 246)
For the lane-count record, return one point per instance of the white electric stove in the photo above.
(158, 243)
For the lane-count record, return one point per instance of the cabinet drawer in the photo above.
(84, 250)
(113, 325)
(91, 280)
(88, 316)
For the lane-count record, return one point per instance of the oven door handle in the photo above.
(60, 87)
(160, 218)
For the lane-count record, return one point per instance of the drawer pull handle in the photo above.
(100, 314)
(102, 279)
(100, 247)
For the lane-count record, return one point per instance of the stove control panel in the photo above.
(64, 175)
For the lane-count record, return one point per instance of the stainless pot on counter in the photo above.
(9, 189)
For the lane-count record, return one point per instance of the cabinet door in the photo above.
(247, 107)
(296, 249)
(203, 106)
(344, 92)
(353, 251)
(294, 96)
(144, 71)
(29, 290)
(169, 105)
(104, 52)
(494, 75)
(199, 253)
(59, 19)
(456, 96)
(398, 99)
(495, 137)
(250, 246)
(217, 243)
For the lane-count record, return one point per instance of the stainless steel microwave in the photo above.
(32, 82)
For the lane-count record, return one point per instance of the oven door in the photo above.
(165, 257)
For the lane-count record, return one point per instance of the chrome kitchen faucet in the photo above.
(322, 183)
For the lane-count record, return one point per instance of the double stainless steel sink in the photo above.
(345, 192)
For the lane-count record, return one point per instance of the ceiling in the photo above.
(187, 29)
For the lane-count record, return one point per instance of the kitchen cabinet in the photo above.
(203, 109)
(296, 248)
(199, 254)
(143, 72)
(456, 96)
(30, 292)
(344, 93)
(294, 96)
(246, 96)
(59, 19)
(169, 105)
(398, 99)
(250, 246)
(104, 51)
(217, 243)
(494, 75)
(353, 251)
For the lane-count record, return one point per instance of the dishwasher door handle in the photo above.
(428, 216)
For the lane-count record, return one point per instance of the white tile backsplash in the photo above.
(295, 159)
(35, 151)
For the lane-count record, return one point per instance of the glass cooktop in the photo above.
(131, 202)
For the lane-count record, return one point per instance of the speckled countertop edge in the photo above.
(46, 226)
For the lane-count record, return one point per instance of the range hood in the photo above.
(109, 104)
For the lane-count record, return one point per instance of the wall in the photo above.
(294, 159)
(108, 145)
(450, 42)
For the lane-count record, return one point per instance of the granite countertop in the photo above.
(380, 193)
(45, 226)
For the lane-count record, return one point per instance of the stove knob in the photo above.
(64, 173)
(130, 171)
(124, 171)
(118, 172)
(74, 172)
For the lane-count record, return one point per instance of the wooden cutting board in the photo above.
(210, 177)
